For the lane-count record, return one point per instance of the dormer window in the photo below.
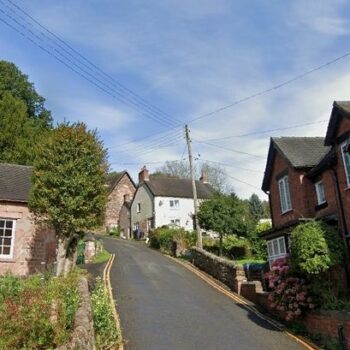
(321, 196)
(346, 161)
(283, 187)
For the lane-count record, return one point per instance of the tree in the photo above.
(68, 191)
(255, 207)
(12, 80)
(223, 214)
(24, 121)
(217, 177)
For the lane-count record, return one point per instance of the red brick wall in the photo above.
(116, 200)
(34, 246)
(298, 192)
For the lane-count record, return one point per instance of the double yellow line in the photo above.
(108, 286)
(247, 305)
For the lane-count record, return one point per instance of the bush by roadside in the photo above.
(37, 312)
(107, 335)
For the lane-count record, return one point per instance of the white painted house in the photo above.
(166, 200)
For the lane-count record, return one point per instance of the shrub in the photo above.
(115, 231)
(289, 295)
(315, 247)
(37, 312)
(235, 247)
(108, 336)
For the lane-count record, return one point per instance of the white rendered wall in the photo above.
(164, 214)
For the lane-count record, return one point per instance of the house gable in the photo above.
(339, 123)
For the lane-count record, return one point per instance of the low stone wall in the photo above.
(83, 336)
(222, 269)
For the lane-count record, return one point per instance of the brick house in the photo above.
(25, 247)
(120, 186)
(166, 200)
(306, 178)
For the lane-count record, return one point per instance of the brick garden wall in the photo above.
(34, 246)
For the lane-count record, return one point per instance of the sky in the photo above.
(138, 71)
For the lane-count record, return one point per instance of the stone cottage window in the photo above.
(283, 187)
(7, 236)
(346, 161)
(138, 209)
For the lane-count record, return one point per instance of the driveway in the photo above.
(163, 306)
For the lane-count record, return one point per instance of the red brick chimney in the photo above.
(143, 174)
(204, 177)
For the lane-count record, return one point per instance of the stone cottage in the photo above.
(120, 186)
(25, 247)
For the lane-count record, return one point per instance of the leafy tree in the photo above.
(12, 80)
(217, 177)
(68, 191)
(315, 247)
(255, 207)
(24, 121)
(223, 214)
(266, 207)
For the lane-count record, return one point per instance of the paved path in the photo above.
(163, 306)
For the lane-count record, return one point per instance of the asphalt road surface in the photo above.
(163, 306)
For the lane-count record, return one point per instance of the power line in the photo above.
(85, 74)
(275, 87)
(267, 131)
(243, 182)
(229, 149)
(231, 165)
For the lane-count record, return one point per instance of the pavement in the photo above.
(164, 306)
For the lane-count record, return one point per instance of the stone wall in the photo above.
(222, 269)
(34, 246)
(116, 199)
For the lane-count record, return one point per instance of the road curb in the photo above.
(244, 302)
(108, 286)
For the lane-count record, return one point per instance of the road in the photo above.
(163, 306)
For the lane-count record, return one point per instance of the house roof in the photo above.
(169, 186)
(299, 152)
(112, 181)
(327, 161)
(15, 182)
(340, 109)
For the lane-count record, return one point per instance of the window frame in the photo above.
(347, 171)
(174, 204)
(13, 237)
(285, 197)
(280, 252)
(138, 207)
(318, 194)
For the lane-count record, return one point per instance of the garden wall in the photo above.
(222, 269)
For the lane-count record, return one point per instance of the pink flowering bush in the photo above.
(289, 295)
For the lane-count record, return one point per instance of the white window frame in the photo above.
(276, 249)
(283, 188)
(138, 208)
(320, 192)
(174, 204)
(13, 237)
(176, 222)
(346, 155)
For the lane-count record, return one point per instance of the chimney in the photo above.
(126, 198)
(143, 174)
(204, 177)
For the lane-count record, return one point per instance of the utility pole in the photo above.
(194, 189)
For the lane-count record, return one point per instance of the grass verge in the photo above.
(101, 257)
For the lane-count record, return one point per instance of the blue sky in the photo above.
(188, 58)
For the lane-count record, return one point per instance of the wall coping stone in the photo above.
(83, 335)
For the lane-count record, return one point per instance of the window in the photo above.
(321, 197)
(276, 248)
(346, 160)
(7, 236)
(175, 222)
(283, 187)
(174, 204)
(138, 209)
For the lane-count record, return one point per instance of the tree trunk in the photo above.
(220, 246)
(61, 256)
(71, 256)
